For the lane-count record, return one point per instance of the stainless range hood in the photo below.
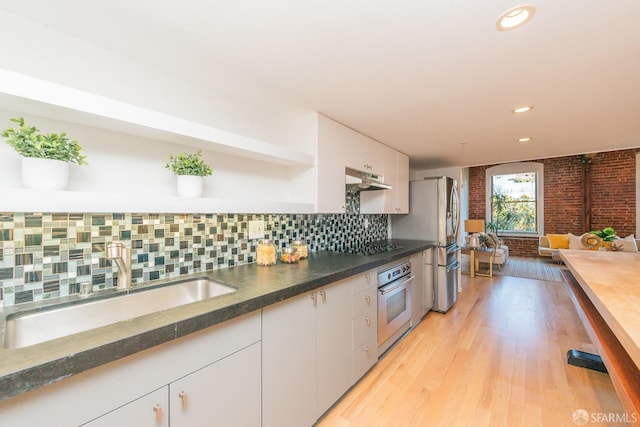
(364, 181)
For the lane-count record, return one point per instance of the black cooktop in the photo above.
(367, 248)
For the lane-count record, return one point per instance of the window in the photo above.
(514, 198)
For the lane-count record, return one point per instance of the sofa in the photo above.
(500, 253)
(549, 244)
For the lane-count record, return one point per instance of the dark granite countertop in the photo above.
(31, 367)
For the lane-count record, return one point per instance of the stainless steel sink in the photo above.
(36, 327)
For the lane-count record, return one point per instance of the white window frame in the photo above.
(513, 168)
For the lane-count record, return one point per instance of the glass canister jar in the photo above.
(266, 253)
(301, 247)
(289, 255)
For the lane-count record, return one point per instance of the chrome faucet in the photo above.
(121, 254)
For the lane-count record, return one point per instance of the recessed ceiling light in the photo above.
(516, 17)
(522, 109)
(525, 139)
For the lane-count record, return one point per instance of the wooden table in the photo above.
(605, 287)
(474, 263)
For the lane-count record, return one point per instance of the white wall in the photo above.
(129, 164)
(35, 50)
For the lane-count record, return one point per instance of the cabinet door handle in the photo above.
(367, 298)
(158, 410)
(323, 294)
(183, 397)
(314, 297)
(368, 320)
(367, 277)
(366, 349)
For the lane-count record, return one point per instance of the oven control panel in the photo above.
(394, 273)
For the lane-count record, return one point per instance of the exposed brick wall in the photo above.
(613, 178)
(522, 246)
(563, 195)
(477, 192)
(613, 196)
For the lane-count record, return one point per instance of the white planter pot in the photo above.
(189, 186)
(45, 174)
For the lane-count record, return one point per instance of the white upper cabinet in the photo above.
(395, 200)
(331, 140)
(401, 188)
(363, 153)
(340, 147)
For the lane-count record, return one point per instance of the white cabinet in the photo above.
(334, 343)
(422, 285)
(401, 189)
(338, 147)
(225, 393)
(289, 362)
(330, 177)
(363, 153)
(306, 355)
(417, 288)
(131, 387)
(151, 410)
(365, 323)
(429, 292)
(395, 200)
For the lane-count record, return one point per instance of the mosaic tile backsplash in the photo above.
(47, 255)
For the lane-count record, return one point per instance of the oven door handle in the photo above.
(392, 286)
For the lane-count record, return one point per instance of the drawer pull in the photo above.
(368, 320)
(323, 294)
(183, 397)
(368, 299)
(366, 350)
(314, 297)
(158, 410)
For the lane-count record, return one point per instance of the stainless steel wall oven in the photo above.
(394, 304)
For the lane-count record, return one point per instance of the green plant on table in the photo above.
(607, 234)
(188, 164)
(29, 142)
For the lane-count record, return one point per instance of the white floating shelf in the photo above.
(39, 97)
(24, 200)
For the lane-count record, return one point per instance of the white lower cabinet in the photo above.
(226, 393)
(151, 410)
(422, 285)
(218, 368)
(334, 343)
(306, 355)
(364, 323)
(429, 292)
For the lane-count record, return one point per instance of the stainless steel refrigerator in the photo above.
(434, 211)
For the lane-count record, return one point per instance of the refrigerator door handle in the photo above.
(455, 209)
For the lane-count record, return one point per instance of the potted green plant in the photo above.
(607, 234)
(45, 158)
(189, 170)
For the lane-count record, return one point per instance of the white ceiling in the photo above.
(435, 80)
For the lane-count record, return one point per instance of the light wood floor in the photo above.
(497, 358)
